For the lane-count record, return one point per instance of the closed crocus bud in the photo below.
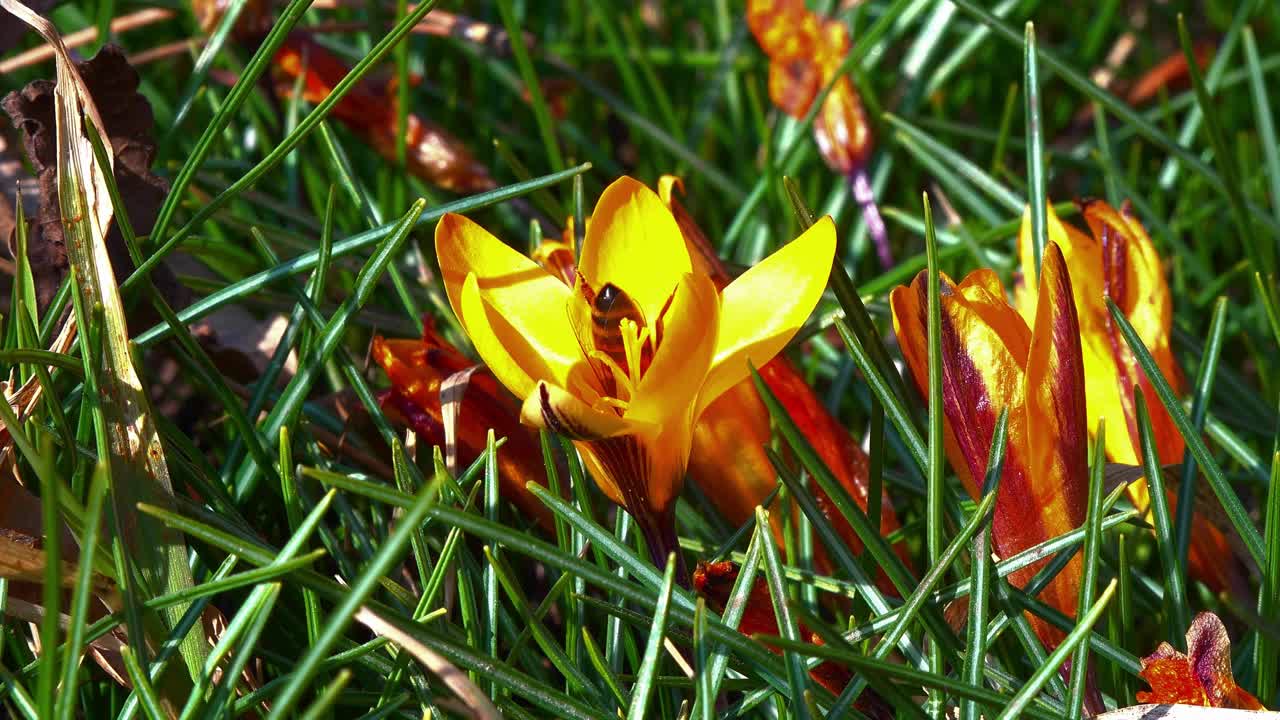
(992, 361)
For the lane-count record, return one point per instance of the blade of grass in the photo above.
(1077, 685)
(278, 152)
(1263, 119)
(643, 688)
(1261, 255)
(1267, 649)
(934, 488)
(1203, 391)
(1036, 184)
(796, 674)
(538, 99)
(734, 609)
(360, 590)
(82, 591)
(1231, 504)
(308, 261)
(1019, 704)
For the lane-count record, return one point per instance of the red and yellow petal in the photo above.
(1056, 494)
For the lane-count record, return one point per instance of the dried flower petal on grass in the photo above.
(418, 371)
(371, 110)
(1200, 676)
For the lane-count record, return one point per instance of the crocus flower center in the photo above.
(617, 343)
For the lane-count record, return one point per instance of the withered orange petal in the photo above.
(1202, 675)
(841, 129)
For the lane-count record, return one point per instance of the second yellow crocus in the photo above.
(1120, 262)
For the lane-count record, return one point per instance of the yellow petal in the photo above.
(634, 242)
(762, 310)
(1024, 292)
(553, 408)
(516, 316)
(669, 389)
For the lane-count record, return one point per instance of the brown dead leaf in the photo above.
(127, 118)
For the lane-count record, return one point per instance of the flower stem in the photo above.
(860, 186)
(659, 530)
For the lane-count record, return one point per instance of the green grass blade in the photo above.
(1203, 391)
(1263, 118)
(1077, 685)
(648, 670)
(1036, 183)
(1236, 514)
(360, 590)
(1077, 636)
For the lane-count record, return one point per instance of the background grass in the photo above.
(570, 625)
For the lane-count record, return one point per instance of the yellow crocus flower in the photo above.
(626, 360)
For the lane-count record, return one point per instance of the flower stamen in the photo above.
(632, 344)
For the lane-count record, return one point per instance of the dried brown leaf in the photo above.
(128, 122)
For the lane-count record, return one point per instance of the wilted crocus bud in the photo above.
(429, 373)
(1201, 676)
(806, 52)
